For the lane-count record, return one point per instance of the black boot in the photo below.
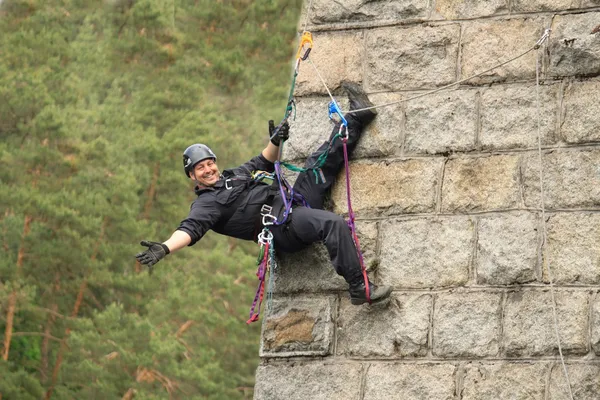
(358, 100)
(358, 294)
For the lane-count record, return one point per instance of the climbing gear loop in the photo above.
(263, 262)
(265, 237)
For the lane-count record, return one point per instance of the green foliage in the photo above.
(16, 383)
(98, 99)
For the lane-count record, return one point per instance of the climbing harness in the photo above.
(266, 260)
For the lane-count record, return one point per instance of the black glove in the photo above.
(156, 252)
(282, 134)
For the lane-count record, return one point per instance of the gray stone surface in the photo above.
(410, 381)
(571, 179)
(543, 5)
(572, 251)
(442, 122)
(307, 270)
(337, 56)
(367, 233)
(529, 324)
(426, 252)
(463, 9)
(595, 321)
(324, 11)
(467, 324)
(415, 57)
(581, 108)
(407, 186)
(507, 249)
(498, 381)
(318, 380)
(401, 327)
(481, 184)
(383, 137)
(298, 326)
(585, 382)
(486, 44)
(509, 116)
(573, 50)
(311, 127)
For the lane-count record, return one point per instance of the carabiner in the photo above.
(343, 132)
(305, 39)
(265, 238)
(268, 219)
(335, 109)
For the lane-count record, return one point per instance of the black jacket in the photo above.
(213, 209)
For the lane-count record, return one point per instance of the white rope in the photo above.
(543, 209)
(306, 17)
(536, 46)
(321, 78)
(447, 86)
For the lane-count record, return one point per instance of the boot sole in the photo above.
(358, 301)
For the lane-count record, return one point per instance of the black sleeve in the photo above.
(258, 163)
(204, 214)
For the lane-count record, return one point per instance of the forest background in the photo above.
(98, 100)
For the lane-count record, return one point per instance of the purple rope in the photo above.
(351, 216)
(261, 272)
(283, 182)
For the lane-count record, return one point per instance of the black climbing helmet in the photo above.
(194, 154)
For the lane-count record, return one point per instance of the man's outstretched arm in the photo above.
(157, 251)
(178, 240)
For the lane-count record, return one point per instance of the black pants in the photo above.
(311, 225)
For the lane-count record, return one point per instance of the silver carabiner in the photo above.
(343, 133)
(268, 219)
(228, 185)
(265, 238)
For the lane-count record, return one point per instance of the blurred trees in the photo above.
(98, 99)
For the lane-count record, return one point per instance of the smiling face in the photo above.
(206, 172)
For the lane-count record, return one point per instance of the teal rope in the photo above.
(318, 164)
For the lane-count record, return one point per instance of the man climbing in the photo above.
(231, 203)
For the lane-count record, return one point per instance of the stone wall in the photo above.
(447, 194)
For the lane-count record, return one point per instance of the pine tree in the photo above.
(97, 102)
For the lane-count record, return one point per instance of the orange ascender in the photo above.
(306, 39)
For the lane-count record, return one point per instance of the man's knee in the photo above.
(337, 223)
